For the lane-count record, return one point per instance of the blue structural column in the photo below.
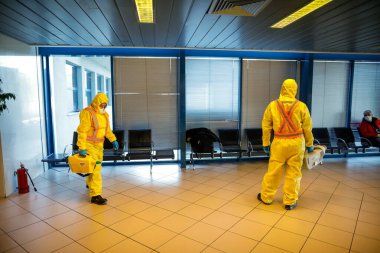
(306, 82)
(47, 104)
(349, 92)
(182, 107)
(240, 95)
(112, 92)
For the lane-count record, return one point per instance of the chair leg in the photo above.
(151, 164)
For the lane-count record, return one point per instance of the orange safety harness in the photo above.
(286, 120)
(95, 122)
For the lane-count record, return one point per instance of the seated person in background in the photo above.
(370, 128)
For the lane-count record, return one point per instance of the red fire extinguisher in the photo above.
(22, 180)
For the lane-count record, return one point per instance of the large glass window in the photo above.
(73, 87)
(212, 93)
(72, 84)
(366, 90)
(89, 86)
(108, 90)
(100, 83)
(329, 94)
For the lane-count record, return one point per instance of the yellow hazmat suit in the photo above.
(93, 127)
(291, 122)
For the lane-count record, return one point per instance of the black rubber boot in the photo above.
(259, 198)
(98, 200)
(291, 207)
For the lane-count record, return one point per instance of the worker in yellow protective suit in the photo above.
(94, 126)
(291, 123)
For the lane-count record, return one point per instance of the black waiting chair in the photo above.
(322, 137)
(229, 141)
(140, 145)
(254, 140)
(201, 141)
(346, 139)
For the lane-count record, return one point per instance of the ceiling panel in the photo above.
(340, 26)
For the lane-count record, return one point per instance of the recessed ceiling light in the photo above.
(145, 10)
(316, 4)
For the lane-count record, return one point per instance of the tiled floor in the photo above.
(210, 209)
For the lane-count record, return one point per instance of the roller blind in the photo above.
(262, 81)
(366, 90)
(146, 97)
(329, 99)
(212, 97)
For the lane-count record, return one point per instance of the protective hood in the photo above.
(288, 89)
(100, 98)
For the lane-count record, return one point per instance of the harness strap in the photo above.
(286, 120)
(95, 122)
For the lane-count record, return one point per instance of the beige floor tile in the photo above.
(331, 235)
(50, 211)
(250, 229)
(190, 196)
(118, 199)
(275, 207)
(343, 211)
(216, 182)
(263, 217)
(182, 244)
(173, 204)
(211, 250)
(203, 233)
(247, 199)
(31, 232)
(110, 217)
(17, 222)
(101, 240)
(338, 222)
(81, 229)
(176, 223)
(154, 198)
(73, 247)
(205, 189)
(6, 243)
(10, 211)
(225, 194)
(130, 246)
(305, 214)
(346, 202)
(240, 188)
(311, 204)
(121, 187)
(294, 225)
(284, 240)
(91, 210)
(136, 192)
(5, 203)
(265, 248)
(130, 226)
(186, 184)
(368, 230)
(315, 246)
(195, 211)
(370, 207)
(171, 191)
(365, 245)
(240, 243)
(153, 214)
(48, 243)
(221, 220)
(64, 219)
(369, 217)
(211, 202)
(236, 209)
(16, 250)
(153, 236)
(133, 206)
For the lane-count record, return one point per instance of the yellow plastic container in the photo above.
(81, 164)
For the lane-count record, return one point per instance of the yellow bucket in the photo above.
(81, 164)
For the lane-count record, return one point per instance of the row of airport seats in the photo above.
(338, 140)
(140, 147)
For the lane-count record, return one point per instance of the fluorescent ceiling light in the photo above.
(145, 10)
(316, 4)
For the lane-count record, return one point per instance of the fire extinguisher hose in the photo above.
(35, 189)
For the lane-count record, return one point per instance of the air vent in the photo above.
(238, 7)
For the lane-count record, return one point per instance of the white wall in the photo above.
(22, 126)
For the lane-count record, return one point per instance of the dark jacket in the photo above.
(201, 140)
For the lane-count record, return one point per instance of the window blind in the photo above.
(146, 97)
(329, 99)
